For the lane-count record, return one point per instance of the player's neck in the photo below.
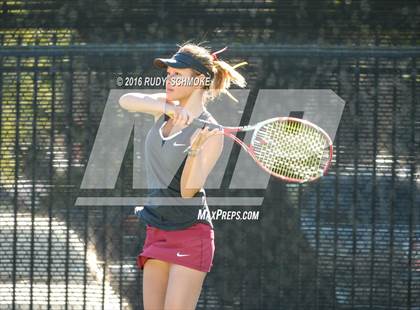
(194, 103)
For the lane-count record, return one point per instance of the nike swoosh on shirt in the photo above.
(181, 255)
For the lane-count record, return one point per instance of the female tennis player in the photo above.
(179, 247)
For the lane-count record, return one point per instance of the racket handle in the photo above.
(199, 123)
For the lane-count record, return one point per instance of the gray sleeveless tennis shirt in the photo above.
(165, 159)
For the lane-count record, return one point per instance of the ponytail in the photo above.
(224, 75)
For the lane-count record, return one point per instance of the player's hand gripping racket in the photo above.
(291, 149)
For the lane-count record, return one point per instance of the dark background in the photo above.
(351, 240)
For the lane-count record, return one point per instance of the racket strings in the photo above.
(291, 149)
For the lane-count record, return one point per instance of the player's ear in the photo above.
(202, 80)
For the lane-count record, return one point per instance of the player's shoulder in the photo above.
(220, 138)
(211, 119)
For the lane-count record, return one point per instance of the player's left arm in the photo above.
(198, 167)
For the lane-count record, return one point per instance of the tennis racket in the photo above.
(288, 148)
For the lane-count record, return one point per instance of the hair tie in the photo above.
(214, 54)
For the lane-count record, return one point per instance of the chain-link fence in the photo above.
(351, 240)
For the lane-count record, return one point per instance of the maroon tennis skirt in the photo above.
(191, 247)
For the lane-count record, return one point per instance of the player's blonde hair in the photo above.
(224, 73)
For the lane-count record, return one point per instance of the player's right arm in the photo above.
(153, 104)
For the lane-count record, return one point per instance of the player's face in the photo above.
(177, 83)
